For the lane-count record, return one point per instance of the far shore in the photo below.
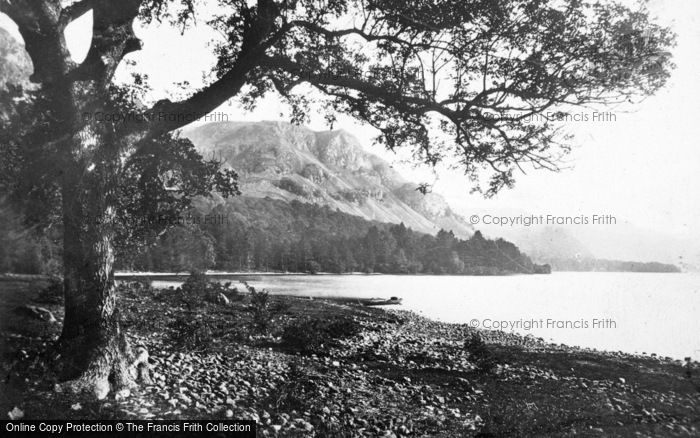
(120, 275)
(174, 276)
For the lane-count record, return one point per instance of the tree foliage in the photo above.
(455, 78)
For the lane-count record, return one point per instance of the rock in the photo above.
(101, 389)
(122, 394)
(622, 380)
(229, 413)
(282, 419)
(335, 363)
(16, 413)
(76, 407)
(223, 299)
(303, 424)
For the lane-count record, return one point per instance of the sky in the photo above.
(642, 167)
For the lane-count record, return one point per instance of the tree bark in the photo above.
(94, 353)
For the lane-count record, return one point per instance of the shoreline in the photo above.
(394, 374)
(127, 274)
(165, 276)
(355, 300)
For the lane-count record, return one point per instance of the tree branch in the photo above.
(259, 36)
(168, 116)
(74, 11)
(38, 23)
(113, 37)
(409, 104)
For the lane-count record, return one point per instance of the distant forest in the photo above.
(603, 265)
(256, 234)
(253, 234)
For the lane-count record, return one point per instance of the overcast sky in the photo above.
(642, 167)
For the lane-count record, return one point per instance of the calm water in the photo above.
(631, 312)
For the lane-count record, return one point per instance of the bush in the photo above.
(311, 335)
(479, 353)
(197, 289)
(216, 289)
(196, 283)
(193, 334)
(260, 308)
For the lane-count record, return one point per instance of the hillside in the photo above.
(287, 162)
(265, 234)
(16, 66)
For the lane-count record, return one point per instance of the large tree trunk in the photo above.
(94, 352)
(93, 348)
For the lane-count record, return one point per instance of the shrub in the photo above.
(196, 283)
(197, 288)
(311, 335)
(192, 333)
(479, 353)
(260, 308)
(215, 289)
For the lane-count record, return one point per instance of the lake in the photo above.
(630, 312)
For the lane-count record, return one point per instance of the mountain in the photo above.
(16, 66)
(329, 168)
(15, 69)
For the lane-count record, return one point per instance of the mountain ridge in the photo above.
(289, 162)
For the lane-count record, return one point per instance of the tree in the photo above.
(459, 78)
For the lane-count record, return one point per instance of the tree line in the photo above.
(272, 235)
